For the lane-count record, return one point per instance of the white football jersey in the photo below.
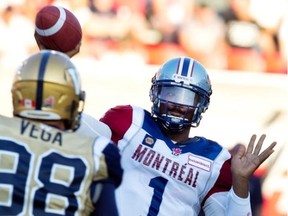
(163, 178)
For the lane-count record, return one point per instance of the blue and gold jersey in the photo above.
(47, 171)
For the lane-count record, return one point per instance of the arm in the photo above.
(226, 204)
(243, 165)
(103, 197)
(119, 119)
(109, 177)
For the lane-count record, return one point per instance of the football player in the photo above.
(166, 172)
(45, 167)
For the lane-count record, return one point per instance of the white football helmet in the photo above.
(181, 82)
(47, 87)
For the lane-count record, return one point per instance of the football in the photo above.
(57, 28)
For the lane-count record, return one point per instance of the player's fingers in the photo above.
(251, 144)
(240, 152)
(259, 144)
(267, 152)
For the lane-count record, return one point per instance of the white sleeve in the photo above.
(227, 203)
(238, 206)
(89, 125)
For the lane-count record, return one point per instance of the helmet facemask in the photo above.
(176, 106)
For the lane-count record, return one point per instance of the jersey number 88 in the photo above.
(15, 181)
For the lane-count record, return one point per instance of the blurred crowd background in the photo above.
(242, 35)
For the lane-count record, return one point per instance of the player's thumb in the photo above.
(240, 151)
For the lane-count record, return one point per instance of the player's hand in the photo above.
(245, 162)
(70, 53)
(75, 51)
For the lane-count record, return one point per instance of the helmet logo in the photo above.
(49, 102)
(179, 78)
(28, 103)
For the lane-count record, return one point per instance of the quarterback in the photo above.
(166, 172)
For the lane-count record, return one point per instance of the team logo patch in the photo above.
(199, 162)
(148, 140)
(49, 102)
(176, 151)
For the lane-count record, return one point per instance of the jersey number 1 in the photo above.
(159, 184)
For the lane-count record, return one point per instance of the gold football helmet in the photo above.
(47, 87)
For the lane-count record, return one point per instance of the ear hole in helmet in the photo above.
(76, 111)
(153, 93)
(72, 122)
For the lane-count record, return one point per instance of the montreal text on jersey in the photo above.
(180, 172)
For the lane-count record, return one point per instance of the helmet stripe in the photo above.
(179, 66)
(185, 67)
(191, 68)
(40, 83)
